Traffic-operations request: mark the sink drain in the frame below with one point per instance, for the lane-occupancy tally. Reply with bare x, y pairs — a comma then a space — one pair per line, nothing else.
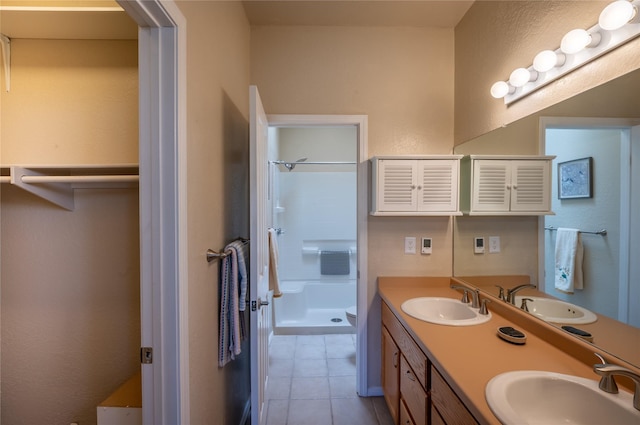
336, 320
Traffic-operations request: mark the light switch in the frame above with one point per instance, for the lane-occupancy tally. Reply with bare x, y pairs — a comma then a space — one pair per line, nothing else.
494, 244
410, 245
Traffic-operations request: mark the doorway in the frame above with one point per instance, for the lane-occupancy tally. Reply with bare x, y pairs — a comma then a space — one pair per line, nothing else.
358, 126
313, 197
608, 144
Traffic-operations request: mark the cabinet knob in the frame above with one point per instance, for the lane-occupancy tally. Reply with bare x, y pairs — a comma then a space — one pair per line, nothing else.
410, 375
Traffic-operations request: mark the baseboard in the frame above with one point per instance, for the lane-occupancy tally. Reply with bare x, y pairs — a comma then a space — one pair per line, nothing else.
374, 392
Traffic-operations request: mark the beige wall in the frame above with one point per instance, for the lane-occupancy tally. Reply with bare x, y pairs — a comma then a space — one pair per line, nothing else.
402, 78
70, 279
495, 37
218, 193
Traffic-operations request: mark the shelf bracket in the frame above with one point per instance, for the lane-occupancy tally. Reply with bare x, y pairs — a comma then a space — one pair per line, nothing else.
5, 43
60, 194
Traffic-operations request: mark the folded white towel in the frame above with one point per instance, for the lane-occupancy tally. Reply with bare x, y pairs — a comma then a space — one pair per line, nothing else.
568, 264
274, 280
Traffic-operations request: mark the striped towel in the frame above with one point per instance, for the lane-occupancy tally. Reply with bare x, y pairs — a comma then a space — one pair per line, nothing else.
233, 289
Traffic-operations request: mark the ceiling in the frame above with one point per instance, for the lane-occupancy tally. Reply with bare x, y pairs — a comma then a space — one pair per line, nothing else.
412, 13
105, 19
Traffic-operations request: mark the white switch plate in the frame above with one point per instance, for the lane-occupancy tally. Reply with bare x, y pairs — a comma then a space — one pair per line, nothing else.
410, 245
494, 244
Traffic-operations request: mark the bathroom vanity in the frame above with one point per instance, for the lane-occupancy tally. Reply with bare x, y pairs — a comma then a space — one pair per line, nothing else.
437, 374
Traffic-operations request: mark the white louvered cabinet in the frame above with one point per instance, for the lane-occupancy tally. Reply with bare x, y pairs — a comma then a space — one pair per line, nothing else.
506, 185
412, 186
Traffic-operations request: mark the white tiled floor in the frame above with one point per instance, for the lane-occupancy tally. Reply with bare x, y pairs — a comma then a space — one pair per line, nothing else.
312, 381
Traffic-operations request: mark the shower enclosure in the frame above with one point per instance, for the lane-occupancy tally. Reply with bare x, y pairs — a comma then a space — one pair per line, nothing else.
313, 188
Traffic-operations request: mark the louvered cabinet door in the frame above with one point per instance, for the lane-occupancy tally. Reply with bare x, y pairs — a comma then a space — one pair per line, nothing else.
438, 185
530, 186
397, 188
491, 185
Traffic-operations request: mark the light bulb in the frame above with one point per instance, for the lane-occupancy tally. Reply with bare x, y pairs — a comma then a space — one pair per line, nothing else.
616, 15
521, 76
547, 60
576, 40
501, 89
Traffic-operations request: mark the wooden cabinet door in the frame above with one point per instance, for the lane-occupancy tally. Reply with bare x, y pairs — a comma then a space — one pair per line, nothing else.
391, 373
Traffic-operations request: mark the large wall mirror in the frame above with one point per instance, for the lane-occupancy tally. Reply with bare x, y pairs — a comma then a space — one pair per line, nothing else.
601, 125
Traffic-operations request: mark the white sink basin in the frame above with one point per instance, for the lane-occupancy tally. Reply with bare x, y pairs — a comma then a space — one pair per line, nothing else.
545, 398
443, 311
557, 311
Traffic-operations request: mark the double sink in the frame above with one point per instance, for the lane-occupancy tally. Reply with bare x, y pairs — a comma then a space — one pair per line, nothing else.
530, 396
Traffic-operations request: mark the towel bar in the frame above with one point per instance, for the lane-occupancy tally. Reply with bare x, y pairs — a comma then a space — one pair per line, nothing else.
602, 232
214, 255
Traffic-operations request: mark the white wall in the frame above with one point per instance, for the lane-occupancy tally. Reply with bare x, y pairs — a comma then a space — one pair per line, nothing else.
602, 211
317, 202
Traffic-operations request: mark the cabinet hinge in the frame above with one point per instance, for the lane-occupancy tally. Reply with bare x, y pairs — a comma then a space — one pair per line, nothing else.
146, 355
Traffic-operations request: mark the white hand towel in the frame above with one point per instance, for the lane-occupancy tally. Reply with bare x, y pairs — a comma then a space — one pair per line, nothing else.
568, 265
274, 280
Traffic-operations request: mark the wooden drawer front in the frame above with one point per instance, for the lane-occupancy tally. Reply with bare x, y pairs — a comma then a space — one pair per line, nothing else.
449, 406
414, 355
413, 393
390, 373
405, 418
436, 419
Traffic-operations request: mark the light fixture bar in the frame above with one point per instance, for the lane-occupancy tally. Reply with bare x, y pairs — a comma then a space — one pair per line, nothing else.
609, 41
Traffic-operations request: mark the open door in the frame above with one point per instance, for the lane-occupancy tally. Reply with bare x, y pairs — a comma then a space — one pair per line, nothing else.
259, 257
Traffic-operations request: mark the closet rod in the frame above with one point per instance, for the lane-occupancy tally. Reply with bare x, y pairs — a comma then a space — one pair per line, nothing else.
80, 179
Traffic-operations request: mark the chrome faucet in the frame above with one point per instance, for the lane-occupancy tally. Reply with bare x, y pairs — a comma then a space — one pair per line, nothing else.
475, 303
501, 293
608, 384
511, 293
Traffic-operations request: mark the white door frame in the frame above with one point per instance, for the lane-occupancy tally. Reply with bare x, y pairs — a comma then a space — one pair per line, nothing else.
361, 122
163, 219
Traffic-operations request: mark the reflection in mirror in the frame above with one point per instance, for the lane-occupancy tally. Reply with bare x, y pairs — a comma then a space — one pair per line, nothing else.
611, 276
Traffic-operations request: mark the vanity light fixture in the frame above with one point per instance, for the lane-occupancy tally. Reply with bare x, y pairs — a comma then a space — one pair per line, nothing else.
577, 40
501, 88
522, 76
546, 60
618, 14
619, 23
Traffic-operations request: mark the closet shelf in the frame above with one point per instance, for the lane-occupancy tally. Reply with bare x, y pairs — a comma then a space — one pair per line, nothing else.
56, 183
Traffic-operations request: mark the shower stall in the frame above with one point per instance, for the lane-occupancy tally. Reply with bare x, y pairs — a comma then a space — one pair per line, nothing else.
313, 188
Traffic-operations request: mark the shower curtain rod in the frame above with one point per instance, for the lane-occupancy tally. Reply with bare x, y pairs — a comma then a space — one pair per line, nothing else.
315, 163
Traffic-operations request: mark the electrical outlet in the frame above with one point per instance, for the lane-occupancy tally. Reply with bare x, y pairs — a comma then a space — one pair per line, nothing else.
410, 245
494, 244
